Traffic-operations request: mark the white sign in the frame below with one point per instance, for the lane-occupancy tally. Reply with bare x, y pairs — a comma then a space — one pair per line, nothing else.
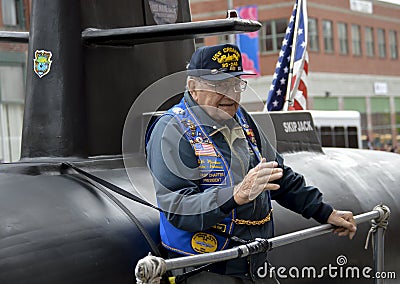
297, 126
361, 6
380, 88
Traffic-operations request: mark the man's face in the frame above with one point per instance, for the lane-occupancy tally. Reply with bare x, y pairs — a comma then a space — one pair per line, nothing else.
220, 99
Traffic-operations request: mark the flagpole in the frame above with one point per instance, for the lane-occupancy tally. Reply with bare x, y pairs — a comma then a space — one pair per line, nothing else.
288, 97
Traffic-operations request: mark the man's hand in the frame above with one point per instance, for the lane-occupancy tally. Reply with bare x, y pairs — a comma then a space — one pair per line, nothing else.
345, 221
256, 181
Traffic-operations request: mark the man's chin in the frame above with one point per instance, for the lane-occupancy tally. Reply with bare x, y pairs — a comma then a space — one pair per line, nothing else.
221, 116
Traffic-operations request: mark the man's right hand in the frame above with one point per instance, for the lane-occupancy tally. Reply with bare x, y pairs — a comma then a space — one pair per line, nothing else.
256, 181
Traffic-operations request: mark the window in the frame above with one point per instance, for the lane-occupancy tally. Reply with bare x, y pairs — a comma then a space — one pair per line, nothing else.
326, 136
313, 34
352, 137
11, 111
355, 103
13, 13
9, 12
223, 39
343, 39
369, 41
381, 43
325, 103
339, 136
328, 36
381, 121
356, 40
199, 42
272, 34
393, 45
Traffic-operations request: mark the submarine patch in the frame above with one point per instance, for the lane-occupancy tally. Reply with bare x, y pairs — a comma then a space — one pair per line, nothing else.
42, 62
204, 242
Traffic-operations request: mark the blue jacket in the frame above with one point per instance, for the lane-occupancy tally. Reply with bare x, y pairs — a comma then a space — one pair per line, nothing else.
196, 210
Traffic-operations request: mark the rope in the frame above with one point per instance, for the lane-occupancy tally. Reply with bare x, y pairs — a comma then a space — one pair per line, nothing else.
149, 270
383, 223
107, 185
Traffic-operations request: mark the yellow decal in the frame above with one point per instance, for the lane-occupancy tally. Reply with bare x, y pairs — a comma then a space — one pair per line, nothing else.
203, 242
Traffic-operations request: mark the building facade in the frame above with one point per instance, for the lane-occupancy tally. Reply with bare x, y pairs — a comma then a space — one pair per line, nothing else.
14, 16
353, 48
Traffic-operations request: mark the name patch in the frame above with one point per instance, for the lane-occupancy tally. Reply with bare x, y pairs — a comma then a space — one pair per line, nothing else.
213, 178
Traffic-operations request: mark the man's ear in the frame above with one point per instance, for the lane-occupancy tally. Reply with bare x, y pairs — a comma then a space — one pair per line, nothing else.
191, 84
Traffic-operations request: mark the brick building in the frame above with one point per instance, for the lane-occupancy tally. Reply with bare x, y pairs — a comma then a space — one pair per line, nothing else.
14, 16
354, 56
353, 50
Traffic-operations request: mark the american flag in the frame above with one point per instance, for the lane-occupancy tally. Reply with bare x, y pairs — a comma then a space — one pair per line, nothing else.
278, 88
204, 149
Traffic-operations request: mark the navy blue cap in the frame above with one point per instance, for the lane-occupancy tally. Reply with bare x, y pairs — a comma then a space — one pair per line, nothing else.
216, 62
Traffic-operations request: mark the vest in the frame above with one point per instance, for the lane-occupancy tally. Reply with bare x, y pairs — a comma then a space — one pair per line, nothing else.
214, 172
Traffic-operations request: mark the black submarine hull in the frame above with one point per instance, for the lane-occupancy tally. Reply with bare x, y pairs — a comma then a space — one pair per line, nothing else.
350, 179
57, 227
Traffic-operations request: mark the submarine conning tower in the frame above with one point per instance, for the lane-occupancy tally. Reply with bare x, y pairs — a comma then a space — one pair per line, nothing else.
100, 57
88, 61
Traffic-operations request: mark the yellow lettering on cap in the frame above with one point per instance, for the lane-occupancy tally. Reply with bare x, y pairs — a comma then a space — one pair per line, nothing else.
216, 55
231, 49
228, 58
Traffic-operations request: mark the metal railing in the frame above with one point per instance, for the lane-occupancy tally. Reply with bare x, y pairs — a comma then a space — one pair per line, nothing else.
152, 267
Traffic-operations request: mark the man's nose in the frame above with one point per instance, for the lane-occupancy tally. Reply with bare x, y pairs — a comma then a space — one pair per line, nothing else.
235, 96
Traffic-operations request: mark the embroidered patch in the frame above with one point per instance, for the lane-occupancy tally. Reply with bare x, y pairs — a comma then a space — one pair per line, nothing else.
178, 110
213, 178
208, 164
204, 149
221, 227
228, 58
204, 242
42, 62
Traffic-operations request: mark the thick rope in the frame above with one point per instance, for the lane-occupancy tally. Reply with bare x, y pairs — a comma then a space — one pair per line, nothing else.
150, 269
383, 223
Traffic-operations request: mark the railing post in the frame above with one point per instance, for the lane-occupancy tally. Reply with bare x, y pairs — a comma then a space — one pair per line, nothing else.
378, 228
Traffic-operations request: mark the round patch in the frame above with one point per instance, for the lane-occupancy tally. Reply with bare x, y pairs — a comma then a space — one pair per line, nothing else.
178, 110
203, 243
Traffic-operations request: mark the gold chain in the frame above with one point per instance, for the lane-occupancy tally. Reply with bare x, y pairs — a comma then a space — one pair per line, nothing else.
253, 223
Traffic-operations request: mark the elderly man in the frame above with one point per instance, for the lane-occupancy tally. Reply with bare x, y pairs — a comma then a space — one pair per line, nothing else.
215, 173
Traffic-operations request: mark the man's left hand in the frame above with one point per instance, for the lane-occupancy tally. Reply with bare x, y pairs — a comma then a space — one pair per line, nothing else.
345, 221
